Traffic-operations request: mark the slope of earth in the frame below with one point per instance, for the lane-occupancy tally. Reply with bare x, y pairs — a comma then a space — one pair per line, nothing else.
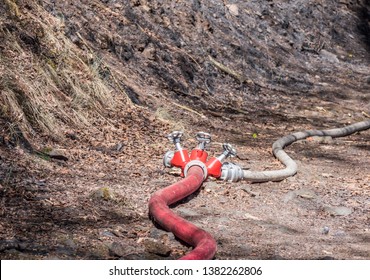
248, 72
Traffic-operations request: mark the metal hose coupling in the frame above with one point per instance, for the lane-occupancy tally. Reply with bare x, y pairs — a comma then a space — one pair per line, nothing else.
196, 163
231, 172
167, 158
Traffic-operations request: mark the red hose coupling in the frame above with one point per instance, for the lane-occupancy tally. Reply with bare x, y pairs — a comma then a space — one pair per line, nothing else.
180, 159
214, 167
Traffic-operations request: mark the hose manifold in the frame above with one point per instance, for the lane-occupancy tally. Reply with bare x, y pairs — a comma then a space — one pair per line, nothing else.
231, 172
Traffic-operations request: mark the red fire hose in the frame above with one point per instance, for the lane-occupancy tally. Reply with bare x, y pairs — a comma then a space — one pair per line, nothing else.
203, 243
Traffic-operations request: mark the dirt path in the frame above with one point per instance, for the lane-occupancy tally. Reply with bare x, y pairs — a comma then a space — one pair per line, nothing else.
95, 206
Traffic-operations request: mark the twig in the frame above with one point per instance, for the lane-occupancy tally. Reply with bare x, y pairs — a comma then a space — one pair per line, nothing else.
238, 77
366, 115
227, 70
188, 109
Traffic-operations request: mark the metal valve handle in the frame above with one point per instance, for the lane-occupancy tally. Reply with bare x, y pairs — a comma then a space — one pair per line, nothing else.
203, 138
229, 151
175, 136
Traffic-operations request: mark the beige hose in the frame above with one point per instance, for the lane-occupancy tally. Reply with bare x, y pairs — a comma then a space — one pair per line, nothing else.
290, 165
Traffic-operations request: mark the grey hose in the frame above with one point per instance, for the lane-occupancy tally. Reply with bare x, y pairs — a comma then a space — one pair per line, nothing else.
290, 165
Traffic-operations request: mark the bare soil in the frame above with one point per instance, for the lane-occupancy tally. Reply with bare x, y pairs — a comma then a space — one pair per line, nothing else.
290, 66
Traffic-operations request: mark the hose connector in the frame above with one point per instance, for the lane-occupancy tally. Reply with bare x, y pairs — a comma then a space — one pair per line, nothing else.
214, 165
180, 156
197, 163
231, 172
167, 158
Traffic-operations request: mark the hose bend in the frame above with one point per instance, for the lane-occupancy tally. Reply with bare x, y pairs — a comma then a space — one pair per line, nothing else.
290, 165
203, 243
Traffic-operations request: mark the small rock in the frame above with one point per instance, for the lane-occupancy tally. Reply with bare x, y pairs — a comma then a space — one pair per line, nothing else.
158, 248
8, 244
368, 80
248, 190
70, 244
327, 175
107, 233
120, 250
325, 230
338, 210
146, 8
118, 147
304, 193
100, 251
242, 156
59, 154
149, 52
327, 140
156, 233
244, 250
233, 9
104, 193
119, 231
329, 56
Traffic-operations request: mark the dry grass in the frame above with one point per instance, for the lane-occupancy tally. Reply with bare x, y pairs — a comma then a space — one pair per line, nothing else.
169, 118
47, 83
12, 8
